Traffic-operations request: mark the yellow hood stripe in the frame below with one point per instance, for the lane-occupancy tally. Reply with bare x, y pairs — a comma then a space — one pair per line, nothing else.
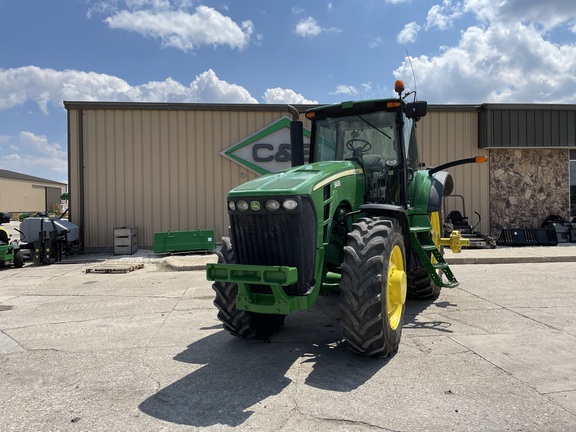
337, 176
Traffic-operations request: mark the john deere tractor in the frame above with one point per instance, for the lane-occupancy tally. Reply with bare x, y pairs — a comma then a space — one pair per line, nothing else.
361, 217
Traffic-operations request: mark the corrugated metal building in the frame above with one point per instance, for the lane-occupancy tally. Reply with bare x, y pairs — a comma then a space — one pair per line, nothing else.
20, 193
169, 166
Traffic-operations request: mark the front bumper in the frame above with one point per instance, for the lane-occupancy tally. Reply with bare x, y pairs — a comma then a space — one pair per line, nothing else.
276, 277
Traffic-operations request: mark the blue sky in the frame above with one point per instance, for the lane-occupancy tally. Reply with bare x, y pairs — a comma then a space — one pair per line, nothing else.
266, 51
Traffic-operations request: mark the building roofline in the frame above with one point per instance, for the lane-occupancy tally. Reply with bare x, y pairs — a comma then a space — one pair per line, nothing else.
25, 177
453, 108
527, 106
255, 107
171, 106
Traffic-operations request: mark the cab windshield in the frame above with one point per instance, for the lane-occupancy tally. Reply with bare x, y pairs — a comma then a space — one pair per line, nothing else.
362, 136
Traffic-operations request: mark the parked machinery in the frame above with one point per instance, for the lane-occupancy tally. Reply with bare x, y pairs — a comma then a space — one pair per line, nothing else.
456, 220
5, 217
47, 238
361, 217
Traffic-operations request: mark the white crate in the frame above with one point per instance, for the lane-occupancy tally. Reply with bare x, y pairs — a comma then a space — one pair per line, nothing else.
125, 240
125, 249
125, 231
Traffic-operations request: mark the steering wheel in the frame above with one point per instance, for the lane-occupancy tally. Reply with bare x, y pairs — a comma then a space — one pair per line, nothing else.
364, 148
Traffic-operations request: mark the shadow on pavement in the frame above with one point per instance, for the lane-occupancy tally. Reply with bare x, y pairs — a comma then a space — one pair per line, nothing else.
238, 374
413, 318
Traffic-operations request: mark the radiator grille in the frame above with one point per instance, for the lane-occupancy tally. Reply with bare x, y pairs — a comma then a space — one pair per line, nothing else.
283, 238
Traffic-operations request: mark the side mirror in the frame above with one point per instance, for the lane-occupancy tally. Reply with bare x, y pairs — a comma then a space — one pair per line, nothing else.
415, 110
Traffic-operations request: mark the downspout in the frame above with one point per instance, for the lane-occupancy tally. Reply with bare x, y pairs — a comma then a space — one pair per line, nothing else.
81, 176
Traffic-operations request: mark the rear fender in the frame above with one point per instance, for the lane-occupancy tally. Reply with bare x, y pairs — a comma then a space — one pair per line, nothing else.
442, 185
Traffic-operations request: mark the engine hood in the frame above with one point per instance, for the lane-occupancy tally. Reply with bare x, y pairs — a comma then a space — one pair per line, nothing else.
300, 180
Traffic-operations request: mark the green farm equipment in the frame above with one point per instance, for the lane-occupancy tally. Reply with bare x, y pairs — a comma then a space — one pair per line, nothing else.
10, 253
362, 217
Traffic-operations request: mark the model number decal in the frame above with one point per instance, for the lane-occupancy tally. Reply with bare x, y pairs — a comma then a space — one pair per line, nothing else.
336, 177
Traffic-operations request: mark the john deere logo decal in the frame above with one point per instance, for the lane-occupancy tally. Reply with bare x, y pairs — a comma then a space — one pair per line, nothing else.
267, 150
255, 205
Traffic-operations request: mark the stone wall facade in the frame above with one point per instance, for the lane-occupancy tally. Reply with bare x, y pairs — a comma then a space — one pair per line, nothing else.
526, 186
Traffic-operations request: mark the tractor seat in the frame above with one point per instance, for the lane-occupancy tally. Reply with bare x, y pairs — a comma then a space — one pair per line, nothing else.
4, 236
456, 219
373, 162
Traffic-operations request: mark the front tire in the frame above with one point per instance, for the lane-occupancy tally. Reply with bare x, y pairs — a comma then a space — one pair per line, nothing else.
373, 287
244, 324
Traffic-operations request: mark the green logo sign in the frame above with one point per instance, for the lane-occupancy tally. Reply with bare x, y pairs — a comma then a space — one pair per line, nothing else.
267, 150
255, 205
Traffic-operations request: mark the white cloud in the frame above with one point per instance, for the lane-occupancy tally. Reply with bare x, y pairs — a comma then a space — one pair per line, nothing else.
363, 91
443, 16
347, 90
548, 14
182, 30
374, 41
207, 87
409, 33
507, 57
39, 144
48, 87
35, 154
309, 27
501, 63
279, 95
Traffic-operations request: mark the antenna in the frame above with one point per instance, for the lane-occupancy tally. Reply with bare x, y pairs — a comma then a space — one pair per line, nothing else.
413, 75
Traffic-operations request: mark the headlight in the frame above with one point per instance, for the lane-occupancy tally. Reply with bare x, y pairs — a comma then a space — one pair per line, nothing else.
242, 205
231, 206
290, 204
272, 205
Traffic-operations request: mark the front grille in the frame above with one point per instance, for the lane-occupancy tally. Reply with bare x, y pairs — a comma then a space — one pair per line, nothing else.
277, 238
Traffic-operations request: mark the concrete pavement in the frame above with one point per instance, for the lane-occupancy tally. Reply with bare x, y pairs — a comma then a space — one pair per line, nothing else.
143, 351
499, 255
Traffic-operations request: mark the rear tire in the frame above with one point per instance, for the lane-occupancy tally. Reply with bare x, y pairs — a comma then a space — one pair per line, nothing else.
244, 324
373, 287
18, 259
420, 284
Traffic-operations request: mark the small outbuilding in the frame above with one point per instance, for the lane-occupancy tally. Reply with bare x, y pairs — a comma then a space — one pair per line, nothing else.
22, 193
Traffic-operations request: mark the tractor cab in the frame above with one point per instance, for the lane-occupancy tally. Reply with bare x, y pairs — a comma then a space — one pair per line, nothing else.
379, 135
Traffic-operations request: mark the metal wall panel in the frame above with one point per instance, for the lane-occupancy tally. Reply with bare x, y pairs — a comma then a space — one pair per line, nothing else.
159, 170
445, 136
521, 126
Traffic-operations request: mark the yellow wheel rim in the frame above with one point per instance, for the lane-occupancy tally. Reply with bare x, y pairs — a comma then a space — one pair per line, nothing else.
396, 289
436, 231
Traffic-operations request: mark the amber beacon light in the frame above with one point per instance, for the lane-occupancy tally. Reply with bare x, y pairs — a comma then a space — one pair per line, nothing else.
480, 159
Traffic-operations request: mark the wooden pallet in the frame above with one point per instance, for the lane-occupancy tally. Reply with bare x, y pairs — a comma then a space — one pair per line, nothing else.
114, 268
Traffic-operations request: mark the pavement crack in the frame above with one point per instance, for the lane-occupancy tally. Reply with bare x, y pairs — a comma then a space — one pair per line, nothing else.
56, 323
517, 312
355, 423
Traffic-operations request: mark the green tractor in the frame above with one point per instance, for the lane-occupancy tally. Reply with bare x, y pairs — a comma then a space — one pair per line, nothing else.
10, 253
362, 217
